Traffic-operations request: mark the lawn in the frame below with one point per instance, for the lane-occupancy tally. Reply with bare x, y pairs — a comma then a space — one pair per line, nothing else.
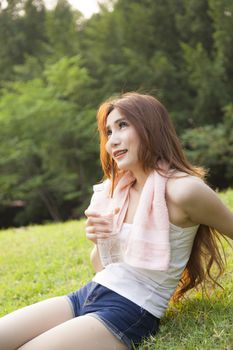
39, 262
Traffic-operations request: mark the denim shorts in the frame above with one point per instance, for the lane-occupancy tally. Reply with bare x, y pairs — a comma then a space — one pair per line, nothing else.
129, 322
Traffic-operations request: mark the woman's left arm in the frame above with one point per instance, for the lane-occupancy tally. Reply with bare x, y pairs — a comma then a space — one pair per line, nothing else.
203, 206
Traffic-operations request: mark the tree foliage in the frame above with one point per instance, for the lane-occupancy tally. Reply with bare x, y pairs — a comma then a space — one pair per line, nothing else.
56, 67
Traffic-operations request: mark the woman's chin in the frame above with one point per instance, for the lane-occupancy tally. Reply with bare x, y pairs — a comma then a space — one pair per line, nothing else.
123, 167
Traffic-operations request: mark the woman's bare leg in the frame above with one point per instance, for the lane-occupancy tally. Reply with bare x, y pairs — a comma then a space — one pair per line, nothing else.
80, 333
21, 326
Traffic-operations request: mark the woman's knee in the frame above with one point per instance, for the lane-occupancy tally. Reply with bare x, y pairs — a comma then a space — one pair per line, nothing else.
6, 335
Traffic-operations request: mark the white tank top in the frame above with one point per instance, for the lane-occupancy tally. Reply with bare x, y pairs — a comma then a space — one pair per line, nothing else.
150, 289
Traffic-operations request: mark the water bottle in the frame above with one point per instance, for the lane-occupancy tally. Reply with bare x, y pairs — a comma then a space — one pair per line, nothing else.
110, 250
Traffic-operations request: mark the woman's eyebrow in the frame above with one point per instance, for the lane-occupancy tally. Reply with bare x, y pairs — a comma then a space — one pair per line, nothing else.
116, 122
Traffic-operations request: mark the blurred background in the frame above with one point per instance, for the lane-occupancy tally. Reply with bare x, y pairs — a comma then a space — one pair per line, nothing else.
60, 60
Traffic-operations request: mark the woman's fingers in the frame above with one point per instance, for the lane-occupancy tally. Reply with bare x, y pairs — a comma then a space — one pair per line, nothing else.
88, 212
98, 230
116, 211
92, 213
92, 237
93, 233
99, 226
98, 221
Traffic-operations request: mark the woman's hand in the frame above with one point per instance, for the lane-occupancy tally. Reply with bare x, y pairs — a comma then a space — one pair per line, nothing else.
99, 226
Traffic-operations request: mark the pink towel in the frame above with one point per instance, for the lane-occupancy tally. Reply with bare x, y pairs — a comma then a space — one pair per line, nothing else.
148, 245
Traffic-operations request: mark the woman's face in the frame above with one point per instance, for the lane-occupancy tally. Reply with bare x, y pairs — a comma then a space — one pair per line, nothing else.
123, 142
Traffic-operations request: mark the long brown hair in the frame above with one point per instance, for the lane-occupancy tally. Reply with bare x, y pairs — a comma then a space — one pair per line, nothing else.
159, 144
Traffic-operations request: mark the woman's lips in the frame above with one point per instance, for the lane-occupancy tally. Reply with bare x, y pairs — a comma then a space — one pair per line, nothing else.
120, 155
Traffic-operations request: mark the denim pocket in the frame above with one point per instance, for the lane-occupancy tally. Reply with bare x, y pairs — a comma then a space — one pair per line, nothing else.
145, 325
139, 320
151, 322
91, 295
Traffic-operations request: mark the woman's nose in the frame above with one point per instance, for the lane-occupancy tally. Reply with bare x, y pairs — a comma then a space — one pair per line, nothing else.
114, 139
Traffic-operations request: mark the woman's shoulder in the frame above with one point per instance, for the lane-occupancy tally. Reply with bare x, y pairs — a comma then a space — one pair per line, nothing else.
182, 187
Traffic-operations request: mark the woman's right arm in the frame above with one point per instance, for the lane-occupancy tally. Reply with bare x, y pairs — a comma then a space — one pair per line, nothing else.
98, 226
95, 259
95, 227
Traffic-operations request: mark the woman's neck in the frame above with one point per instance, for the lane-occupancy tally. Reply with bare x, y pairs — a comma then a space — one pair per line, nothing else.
140, 179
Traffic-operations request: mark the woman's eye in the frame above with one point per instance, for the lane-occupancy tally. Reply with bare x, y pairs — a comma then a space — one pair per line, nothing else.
122, 124
108, 133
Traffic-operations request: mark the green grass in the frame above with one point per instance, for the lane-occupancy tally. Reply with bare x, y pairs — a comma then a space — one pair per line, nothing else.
39, 262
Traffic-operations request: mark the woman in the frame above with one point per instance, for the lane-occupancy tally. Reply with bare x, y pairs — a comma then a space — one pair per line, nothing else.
157, 206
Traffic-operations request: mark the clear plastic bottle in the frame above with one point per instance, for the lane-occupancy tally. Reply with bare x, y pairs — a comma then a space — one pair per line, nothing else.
110, 250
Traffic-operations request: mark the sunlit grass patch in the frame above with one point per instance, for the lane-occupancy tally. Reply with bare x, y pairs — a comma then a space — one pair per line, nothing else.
39, 262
